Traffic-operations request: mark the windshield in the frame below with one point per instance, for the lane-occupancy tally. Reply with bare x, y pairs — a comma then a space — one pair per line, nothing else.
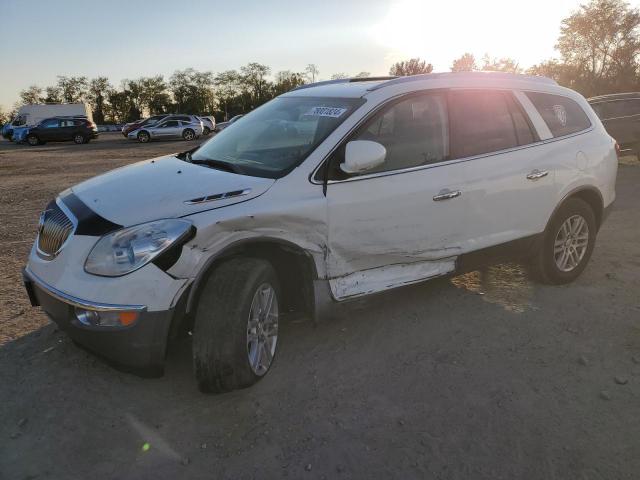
275, 138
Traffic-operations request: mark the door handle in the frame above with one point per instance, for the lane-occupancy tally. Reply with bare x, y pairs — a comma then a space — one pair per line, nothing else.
446, 194
536, 174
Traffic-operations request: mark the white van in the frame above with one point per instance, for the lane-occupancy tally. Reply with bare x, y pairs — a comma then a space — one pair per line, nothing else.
329, 192
30, 115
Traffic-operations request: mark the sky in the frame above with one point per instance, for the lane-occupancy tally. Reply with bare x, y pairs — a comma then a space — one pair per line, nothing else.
128, 39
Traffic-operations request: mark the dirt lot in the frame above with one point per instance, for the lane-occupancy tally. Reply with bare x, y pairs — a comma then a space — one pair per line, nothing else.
484, 376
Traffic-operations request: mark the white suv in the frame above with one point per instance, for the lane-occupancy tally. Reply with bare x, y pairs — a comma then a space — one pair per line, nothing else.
329, 192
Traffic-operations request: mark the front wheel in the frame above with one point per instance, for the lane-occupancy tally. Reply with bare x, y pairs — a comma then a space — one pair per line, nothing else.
235, 332
33, 140
143, 137
567, 245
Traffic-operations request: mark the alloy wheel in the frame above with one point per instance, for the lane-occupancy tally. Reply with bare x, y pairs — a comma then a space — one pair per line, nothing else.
262, 329
571, 243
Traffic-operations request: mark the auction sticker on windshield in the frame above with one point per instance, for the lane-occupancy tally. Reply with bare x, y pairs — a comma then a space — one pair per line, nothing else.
334, 112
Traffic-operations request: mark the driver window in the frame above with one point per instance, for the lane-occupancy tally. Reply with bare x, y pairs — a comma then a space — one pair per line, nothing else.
414, 131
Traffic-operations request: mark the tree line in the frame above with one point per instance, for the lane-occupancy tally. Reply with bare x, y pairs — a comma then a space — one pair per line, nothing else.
598, 46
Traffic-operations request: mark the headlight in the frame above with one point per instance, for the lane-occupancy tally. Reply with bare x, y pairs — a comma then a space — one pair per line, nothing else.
129, 249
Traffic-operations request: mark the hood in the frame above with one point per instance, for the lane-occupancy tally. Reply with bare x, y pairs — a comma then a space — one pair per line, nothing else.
165, 187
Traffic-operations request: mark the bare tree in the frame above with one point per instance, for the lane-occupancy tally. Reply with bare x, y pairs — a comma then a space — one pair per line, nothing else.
312, 72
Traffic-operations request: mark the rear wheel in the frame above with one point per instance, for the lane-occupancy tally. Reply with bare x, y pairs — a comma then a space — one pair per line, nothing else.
143, 137
568, 243
33, 140
236, 326
206, 131
188, 134
79, 138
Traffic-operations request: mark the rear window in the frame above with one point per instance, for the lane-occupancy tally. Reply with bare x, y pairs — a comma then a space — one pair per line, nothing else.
562, 115
486, 121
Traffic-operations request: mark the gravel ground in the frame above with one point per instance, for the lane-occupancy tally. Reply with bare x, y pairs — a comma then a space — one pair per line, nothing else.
483, 376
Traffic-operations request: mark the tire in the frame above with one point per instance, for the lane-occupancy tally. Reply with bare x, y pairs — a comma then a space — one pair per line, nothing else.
33, 140
565, 243
188, 134
79, 138
143, 137
206, 131
225, 356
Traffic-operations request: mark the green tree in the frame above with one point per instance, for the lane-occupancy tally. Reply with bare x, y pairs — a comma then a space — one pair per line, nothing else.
4, 117
227, 85
53, 94
33, 94
192, 91
97, 92
255, 83
600, 42
154, 94
413, 66
287, 80
504, 64
74, 89
466, 63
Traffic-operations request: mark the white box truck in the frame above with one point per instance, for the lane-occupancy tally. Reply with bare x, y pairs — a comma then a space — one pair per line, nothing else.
29, 115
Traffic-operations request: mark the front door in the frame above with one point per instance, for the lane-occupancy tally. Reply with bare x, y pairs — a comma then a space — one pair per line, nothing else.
385, 227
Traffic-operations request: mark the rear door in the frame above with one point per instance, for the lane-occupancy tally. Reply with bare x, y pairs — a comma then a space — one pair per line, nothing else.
67, 129
49, 130
509, 185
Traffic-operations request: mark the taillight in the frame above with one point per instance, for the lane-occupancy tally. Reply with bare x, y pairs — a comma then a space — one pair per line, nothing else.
618, 151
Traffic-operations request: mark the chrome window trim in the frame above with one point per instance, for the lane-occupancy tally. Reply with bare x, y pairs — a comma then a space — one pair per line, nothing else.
79, 302
444, 163
74, 222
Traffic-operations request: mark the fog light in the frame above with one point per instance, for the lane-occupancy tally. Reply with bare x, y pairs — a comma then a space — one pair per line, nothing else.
94, 318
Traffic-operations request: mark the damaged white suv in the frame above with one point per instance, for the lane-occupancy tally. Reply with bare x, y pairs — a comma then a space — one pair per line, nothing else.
329, 192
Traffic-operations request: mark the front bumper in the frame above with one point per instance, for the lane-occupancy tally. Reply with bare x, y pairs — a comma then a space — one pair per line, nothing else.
139, 348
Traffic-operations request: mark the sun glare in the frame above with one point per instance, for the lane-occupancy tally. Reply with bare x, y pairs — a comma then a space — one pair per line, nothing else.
440, 32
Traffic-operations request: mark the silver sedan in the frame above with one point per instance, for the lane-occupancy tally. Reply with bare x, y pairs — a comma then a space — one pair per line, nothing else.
167, 129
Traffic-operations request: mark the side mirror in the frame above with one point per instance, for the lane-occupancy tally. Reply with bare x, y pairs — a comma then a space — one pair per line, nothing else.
362, 155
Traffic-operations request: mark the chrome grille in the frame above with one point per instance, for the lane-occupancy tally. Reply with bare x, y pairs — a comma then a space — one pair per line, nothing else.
54, 230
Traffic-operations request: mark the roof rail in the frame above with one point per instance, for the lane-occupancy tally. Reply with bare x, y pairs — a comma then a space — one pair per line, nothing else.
343, 80
434, 76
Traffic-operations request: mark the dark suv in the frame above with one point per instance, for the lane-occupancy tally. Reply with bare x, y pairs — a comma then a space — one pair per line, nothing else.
62, 129
620, 115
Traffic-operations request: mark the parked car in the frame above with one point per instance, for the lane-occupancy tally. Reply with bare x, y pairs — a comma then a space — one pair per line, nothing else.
208, 124
130, 127
170, 127
62, 129
330, 192
222, 125
620, 115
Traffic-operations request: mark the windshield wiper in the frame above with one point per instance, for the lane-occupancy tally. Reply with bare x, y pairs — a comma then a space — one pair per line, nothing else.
219, 164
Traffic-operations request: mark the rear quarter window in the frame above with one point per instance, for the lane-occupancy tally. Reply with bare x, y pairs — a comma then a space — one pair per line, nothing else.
562, 115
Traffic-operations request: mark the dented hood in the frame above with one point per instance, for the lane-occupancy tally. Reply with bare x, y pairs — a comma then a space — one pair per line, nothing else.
165, 187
